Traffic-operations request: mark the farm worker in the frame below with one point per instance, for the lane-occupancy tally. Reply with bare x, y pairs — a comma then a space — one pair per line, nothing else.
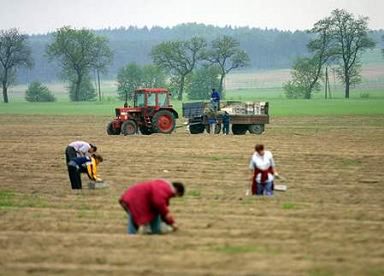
84, 164
226, 121
215, 99
263, 170
212, 123
79, 149
146, 204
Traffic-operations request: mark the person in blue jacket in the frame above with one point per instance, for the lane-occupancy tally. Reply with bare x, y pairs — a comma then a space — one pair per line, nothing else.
226, 121
215, 99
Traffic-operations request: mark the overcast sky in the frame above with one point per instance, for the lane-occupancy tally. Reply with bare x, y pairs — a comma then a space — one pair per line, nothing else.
41, 16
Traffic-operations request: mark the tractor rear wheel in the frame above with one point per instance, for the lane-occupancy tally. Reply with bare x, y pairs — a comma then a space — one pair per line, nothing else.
145, 131
196, 129
163, 122
239, 129
128, 127
111, 130
256, 129
217, 128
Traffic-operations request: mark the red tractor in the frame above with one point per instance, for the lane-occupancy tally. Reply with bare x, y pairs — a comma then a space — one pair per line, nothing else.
151, 113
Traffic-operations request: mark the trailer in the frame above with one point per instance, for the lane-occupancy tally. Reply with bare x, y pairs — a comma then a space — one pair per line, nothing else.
248, 116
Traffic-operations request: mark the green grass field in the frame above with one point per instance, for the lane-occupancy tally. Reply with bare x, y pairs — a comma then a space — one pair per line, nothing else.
366, 98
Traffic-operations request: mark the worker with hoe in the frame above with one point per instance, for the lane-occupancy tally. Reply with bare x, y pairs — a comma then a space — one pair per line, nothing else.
215, 99
79, 149
84, 164
146, 204
263, 170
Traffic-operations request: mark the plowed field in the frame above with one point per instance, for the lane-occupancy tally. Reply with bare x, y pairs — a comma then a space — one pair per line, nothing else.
330, 221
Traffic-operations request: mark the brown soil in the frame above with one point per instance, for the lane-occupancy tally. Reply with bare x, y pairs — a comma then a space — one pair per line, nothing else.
330, 221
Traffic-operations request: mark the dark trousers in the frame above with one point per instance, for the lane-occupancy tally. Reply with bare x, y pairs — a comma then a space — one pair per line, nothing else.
74, 177
225, 128
70, 153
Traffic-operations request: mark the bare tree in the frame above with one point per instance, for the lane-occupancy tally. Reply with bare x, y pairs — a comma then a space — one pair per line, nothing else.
14, 53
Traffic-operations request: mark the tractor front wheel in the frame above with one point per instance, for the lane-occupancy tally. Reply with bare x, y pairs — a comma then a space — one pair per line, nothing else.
128, 127
111, 130
163, 122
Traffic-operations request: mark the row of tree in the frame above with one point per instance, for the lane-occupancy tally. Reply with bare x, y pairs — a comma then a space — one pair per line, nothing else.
80, 52
339, 40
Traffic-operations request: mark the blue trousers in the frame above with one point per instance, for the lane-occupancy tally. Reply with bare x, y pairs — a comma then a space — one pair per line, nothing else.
264, 188
155, 225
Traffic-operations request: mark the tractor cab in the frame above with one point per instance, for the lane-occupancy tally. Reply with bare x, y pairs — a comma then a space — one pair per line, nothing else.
152, 97
151, 112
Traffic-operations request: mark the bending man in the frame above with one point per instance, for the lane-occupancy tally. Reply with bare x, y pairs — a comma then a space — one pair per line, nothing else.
147, 204
79, 149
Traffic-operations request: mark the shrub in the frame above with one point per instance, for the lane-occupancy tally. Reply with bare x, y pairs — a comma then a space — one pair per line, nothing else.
86, 91
37, 92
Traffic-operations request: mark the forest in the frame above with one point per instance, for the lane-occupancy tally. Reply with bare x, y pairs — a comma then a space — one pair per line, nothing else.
267, 48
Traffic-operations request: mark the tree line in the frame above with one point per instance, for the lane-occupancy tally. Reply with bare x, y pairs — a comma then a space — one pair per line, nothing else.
189, 64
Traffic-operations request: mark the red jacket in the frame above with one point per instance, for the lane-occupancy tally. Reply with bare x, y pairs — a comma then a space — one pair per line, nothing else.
148, 199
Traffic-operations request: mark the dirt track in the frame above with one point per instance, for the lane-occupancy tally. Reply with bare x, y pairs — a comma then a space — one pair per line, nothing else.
330, 221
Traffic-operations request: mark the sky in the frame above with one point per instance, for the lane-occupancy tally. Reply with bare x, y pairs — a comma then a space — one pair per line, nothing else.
41, 16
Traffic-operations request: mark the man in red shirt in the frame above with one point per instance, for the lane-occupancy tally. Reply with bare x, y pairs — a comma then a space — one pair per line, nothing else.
147, 204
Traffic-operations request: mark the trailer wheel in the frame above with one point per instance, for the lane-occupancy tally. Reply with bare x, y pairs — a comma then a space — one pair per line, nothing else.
196, 129
239, 129
256, 129
217, 128
163, 122
111, 130
128, 127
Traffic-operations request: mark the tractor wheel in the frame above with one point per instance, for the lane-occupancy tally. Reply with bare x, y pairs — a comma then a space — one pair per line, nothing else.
239, 129
145, 131
163, 122
196, 129
256, 129
111, 130
128, 127
217, 128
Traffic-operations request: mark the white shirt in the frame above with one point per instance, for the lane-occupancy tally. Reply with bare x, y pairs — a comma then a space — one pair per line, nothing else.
262, 163
80, 147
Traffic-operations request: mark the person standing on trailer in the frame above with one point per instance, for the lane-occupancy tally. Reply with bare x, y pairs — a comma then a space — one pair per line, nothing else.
263, 170
84, 164
146, 204
215, 99
79, 149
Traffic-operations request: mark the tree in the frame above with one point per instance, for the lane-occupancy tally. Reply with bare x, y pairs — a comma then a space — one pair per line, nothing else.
152, 76
351, 38
129, 78
78, 52
84, 92
37, 92
103, 57
225, 53
305, 75
14, 53
179, 58
203, 79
